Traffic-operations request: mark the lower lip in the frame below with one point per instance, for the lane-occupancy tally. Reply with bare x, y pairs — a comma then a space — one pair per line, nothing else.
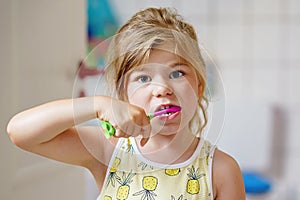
172, 116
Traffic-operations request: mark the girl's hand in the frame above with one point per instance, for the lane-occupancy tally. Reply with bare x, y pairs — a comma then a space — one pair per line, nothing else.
127, 119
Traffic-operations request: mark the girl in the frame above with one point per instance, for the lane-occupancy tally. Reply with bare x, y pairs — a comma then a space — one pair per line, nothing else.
156, 67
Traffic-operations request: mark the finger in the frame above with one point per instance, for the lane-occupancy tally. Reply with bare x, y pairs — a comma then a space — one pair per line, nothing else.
144, 141
139, 117
146, 132
125, 130
119, 133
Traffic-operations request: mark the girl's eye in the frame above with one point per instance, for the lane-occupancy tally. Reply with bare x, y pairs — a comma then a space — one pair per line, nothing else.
176, 74
144, 79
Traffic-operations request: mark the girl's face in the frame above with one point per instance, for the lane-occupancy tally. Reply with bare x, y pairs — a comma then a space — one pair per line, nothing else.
165, 80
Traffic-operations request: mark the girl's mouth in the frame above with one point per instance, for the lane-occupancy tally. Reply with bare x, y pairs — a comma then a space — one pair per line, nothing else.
167, 112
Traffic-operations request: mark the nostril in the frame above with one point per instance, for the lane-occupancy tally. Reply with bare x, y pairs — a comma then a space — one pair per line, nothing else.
162, 91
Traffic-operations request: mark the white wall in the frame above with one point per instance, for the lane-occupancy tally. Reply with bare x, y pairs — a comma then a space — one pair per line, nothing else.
7, 156
41, 45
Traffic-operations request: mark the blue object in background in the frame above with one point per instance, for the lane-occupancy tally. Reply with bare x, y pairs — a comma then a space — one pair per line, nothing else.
101, 19
102, 24
255, 183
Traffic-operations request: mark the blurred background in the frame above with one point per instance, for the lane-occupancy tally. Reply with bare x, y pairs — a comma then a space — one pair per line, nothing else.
255, 44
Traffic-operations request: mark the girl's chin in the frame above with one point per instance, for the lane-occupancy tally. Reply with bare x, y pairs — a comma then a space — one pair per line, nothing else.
165, 130
168, 127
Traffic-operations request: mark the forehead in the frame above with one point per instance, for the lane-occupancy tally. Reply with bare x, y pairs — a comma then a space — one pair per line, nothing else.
163, 57
166, 54
161, 61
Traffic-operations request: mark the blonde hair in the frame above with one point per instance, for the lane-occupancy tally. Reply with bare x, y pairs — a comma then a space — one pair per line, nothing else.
132, 45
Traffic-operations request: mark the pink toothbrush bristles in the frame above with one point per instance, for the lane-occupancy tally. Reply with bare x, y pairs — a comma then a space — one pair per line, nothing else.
172, 109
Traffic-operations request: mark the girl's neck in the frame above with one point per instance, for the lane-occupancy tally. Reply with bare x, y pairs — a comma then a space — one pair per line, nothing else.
170, 149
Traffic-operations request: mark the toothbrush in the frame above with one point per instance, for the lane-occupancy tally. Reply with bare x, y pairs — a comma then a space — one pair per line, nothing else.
172, 109
109, 130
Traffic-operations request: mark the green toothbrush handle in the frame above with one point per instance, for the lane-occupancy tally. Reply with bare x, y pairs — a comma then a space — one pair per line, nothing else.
109, 130
150, 115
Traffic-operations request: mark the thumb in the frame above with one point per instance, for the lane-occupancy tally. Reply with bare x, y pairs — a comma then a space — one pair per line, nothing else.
146, 132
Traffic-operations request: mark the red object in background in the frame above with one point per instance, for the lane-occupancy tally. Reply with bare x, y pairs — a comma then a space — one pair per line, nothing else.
84, 71
81, 93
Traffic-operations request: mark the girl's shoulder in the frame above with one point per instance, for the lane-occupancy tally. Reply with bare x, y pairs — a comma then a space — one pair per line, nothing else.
223, 162
227, 176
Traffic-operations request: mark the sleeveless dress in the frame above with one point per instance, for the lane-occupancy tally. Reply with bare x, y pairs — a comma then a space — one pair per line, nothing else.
132, 176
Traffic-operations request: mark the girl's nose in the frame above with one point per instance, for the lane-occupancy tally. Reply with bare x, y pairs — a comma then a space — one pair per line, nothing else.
161, 90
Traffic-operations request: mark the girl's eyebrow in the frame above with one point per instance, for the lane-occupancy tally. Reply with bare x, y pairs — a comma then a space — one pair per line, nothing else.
139, 70
171, 64
177, 63
146, 69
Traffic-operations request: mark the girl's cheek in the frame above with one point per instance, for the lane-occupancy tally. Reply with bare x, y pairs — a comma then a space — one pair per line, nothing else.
130, 93
135, 98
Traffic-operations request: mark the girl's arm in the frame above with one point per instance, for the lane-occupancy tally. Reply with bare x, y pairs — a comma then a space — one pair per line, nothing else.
49, 129
227, 178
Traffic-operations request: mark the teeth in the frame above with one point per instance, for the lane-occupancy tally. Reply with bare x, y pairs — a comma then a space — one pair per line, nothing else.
164, 107
166, 114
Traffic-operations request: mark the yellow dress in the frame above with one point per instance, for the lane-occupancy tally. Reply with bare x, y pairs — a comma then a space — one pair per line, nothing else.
131, 176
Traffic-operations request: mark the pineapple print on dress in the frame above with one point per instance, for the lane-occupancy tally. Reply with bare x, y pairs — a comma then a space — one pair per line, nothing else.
149, 185
107, 197
113, 177
128, 148
193, 185
124, 188
172, 172
180, 198
143, 166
